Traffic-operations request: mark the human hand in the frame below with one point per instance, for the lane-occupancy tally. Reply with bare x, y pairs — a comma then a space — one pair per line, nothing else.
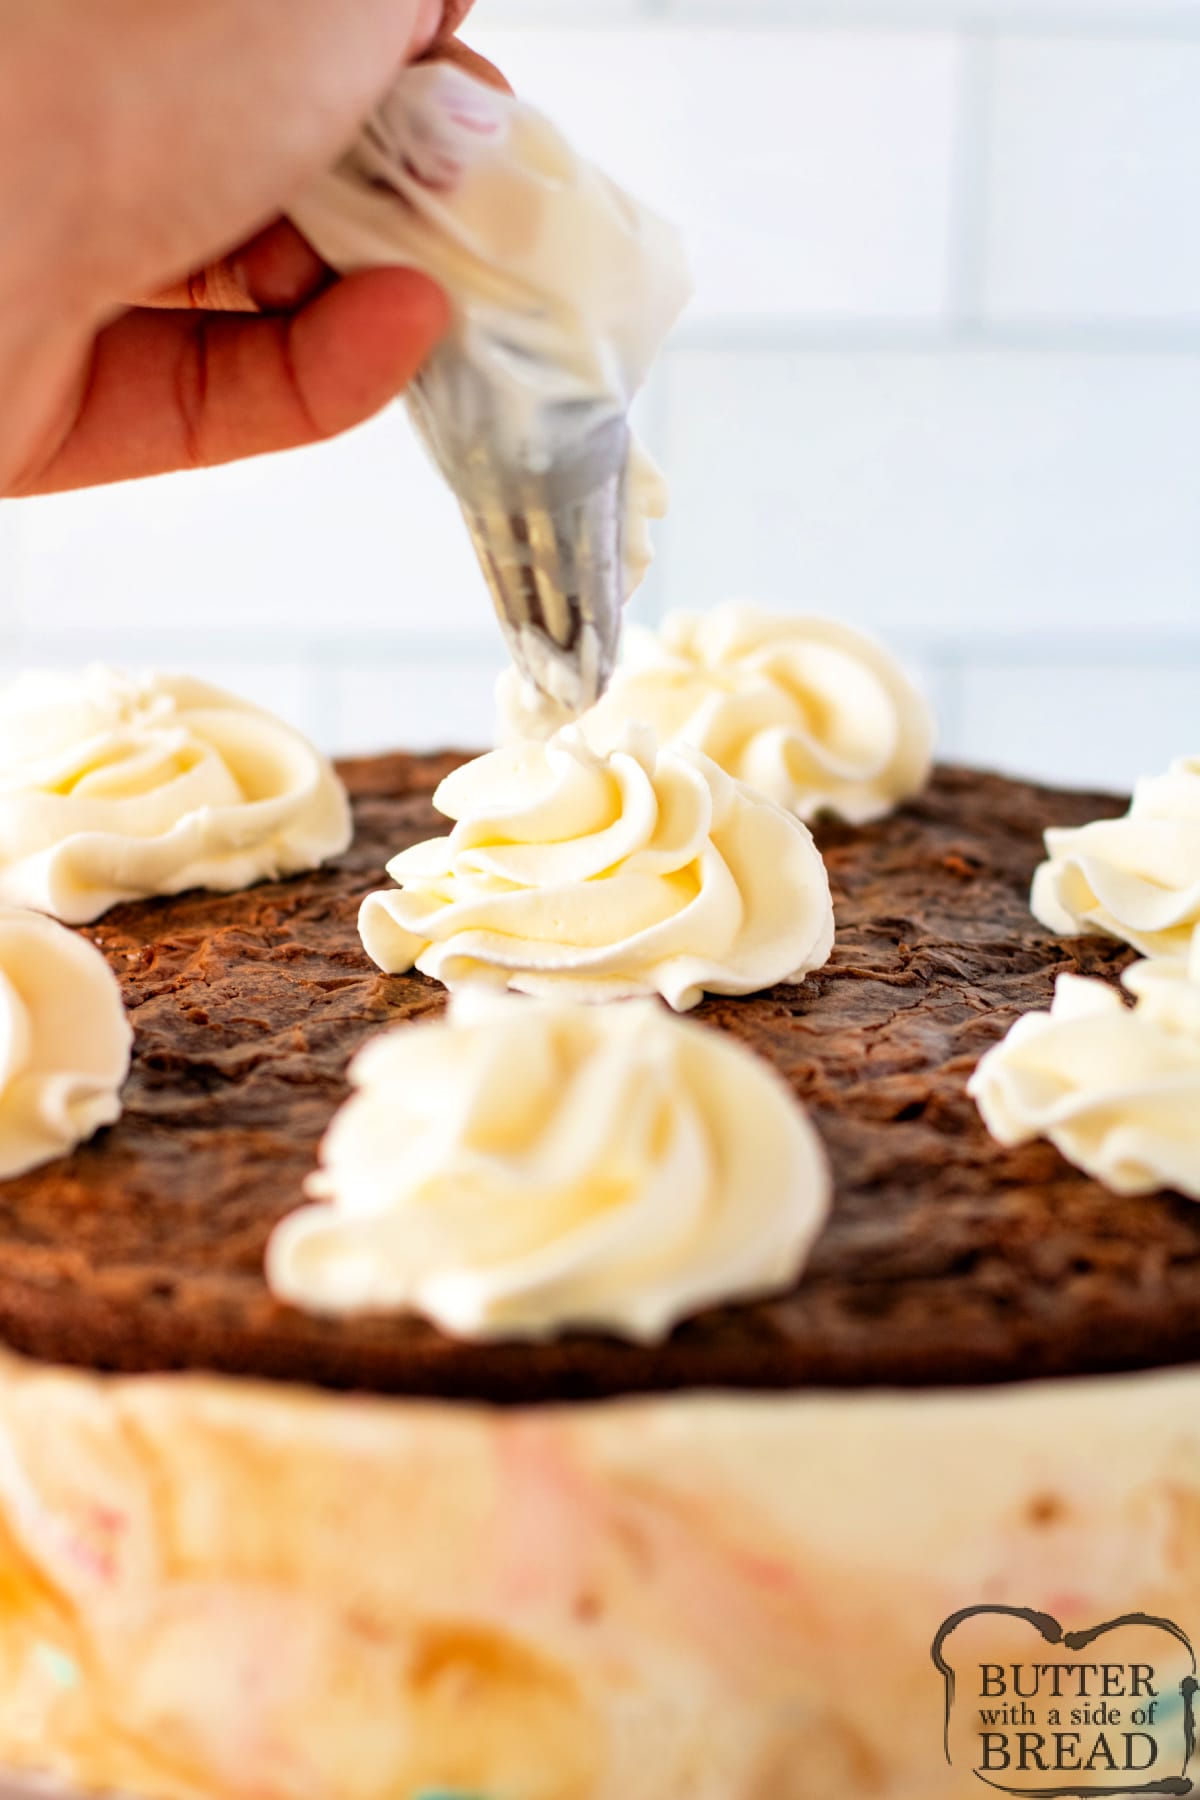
191, 128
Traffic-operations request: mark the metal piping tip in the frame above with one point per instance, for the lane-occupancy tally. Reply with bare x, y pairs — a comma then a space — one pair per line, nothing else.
548, 529
555, 572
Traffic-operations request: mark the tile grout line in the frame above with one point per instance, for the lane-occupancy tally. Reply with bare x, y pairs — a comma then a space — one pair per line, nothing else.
1170, 649
948, 702
899, 336
1027, 20
970, 199
260, 649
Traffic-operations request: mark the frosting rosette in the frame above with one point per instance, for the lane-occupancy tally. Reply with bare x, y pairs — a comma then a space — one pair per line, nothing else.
818, 717
596, 877
116, 787
64, 1041
1115, 1088
525, 1166
1136, 877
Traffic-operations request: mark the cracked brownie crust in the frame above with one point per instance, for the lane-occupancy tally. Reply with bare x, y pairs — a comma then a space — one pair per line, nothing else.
946, 1260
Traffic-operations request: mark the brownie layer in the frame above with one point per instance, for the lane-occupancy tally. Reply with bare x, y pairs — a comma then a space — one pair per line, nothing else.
946, 1260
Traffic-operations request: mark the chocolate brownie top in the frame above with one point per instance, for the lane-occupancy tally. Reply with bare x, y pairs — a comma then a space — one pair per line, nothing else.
946, 1259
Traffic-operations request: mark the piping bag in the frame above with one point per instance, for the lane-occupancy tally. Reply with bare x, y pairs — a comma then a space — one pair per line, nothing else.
562, 290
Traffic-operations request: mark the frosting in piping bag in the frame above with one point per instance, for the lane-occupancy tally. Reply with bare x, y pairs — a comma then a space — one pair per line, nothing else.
562, 289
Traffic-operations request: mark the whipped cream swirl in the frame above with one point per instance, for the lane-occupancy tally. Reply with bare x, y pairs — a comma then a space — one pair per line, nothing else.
1115, 1088
602, 878
1137, 877
815, 715
527, 1166
115, 787
64, 1041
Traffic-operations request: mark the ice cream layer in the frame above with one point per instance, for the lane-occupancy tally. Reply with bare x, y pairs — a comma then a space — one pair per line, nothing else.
255, 1592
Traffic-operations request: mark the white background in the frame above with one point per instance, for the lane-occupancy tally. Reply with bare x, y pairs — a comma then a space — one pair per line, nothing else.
942, 377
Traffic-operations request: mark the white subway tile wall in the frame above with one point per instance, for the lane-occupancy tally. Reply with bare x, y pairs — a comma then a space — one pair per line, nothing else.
1009, 15
811, 174
1009, 714
942, 377
964, 494
356, 536
1093, 174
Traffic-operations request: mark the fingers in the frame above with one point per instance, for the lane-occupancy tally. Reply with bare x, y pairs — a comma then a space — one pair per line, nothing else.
454, 12
191, 123
219, 288
429, 22
439, 19
280, 270
277, 271
174, 390
470, 61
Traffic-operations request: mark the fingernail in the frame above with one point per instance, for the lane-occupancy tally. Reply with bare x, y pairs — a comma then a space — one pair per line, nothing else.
227, 288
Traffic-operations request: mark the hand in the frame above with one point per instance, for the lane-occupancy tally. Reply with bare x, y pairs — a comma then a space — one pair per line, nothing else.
191, 126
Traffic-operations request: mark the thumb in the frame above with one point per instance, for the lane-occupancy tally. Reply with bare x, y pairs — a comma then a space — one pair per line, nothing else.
177, 390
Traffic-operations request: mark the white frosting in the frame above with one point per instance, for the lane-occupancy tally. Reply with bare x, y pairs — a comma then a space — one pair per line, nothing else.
647, 499
1137, 877
564, 286
601, 878
817, 716
64, 1041
525, 715
1115, 1088
114, 787
528, 1166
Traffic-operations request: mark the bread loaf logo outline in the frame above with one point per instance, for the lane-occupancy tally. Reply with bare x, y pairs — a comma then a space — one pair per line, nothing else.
1070, 1729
